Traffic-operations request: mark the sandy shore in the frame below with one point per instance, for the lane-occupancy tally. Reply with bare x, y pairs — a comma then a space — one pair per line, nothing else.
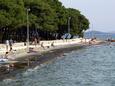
39, 49
37, 60
19, 51
40, 55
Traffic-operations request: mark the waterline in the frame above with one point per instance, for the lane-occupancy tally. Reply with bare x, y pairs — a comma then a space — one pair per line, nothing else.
92, 66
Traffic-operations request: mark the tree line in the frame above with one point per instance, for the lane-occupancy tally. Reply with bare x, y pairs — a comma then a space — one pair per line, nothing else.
47, 19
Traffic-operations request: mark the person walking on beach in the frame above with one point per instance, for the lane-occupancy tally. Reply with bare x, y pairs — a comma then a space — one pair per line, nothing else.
38, 41
7, 45
35, 41
6, 55
52, 44
42, 45
10, 44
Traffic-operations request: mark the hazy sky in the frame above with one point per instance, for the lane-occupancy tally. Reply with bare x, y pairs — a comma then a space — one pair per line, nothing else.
101, 13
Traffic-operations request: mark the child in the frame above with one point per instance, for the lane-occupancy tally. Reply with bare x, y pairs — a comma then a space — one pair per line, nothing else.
6, 55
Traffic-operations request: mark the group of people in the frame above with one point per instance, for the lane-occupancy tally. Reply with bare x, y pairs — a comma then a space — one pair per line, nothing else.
93, 40
8, 48
7, 56
9, 44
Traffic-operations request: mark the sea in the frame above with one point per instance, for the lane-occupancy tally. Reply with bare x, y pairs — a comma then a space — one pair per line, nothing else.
102, 36
89, 66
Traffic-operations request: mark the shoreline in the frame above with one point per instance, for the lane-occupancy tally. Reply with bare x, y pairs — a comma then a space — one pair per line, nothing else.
39, 49
39, 60
42, 56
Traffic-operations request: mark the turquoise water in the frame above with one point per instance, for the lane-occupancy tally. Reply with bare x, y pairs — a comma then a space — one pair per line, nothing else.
91, 66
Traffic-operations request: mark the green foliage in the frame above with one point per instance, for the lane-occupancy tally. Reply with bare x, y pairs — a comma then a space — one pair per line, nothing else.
51, 16
12, 13
4, 19
78, 22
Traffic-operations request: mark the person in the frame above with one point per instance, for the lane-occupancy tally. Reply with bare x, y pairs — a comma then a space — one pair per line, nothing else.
7, 45
6, 55
42, 45
35, 41
38, 41
81, 40
52, 44
10, 44
3, 58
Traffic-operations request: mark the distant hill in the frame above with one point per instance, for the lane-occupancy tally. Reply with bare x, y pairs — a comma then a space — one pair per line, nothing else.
96, 32
99, 34
113, 32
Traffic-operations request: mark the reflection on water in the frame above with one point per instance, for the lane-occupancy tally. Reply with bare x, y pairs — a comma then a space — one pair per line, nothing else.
93, 66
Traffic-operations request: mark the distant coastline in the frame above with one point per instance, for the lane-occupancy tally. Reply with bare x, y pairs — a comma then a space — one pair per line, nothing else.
99, 35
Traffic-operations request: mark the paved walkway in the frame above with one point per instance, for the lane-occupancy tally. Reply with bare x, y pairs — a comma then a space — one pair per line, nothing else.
19, 49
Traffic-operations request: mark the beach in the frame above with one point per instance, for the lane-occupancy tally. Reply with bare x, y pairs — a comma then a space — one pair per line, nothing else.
20, 49
42, 55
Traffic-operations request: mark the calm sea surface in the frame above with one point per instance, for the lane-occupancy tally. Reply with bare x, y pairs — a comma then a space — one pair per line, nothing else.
100, 36
91, 66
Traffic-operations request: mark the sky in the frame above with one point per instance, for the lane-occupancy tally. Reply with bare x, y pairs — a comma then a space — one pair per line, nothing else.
101, 13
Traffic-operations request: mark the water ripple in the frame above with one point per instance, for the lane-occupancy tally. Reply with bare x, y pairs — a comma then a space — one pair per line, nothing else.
93, 66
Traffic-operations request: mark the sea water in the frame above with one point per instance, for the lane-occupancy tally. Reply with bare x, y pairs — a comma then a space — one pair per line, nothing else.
90, 66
